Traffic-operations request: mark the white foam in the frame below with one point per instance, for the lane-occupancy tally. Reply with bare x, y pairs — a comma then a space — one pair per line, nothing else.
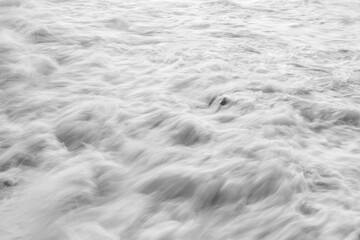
204, 119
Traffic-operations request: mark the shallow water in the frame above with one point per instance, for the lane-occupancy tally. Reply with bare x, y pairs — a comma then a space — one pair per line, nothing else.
202, 119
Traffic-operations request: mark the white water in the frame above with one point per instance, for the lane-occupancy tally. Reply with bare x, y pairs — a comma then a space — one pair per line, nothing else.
162, 120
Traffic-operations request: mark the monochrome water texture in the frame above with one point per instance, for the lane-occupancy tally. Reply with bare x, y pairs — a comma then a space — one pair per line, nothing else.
179, 119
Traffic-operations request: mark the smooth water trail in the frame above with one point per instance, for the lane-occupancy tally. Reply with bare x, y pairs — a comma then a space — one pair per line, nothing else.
206, 119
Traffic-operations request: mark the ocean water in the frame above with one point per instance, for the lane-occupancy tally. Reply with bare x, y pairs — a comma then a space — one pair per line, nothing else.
179, 119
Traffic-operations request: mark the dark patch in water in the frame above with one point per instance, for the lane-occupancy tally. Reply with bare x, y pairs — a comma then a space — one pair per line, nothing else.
224, 101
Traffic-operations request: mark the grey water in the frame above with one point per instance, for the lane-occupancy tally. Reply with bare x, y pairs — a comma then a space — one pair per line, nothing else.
179, 119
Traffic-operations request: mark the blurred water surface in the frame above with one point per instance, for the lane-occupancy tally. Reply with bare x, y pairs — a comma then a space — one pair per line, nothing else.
201, 119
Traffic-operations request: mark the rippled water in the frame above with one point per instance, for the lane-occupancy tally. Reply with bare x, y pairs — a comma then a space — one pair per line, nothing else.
162, 120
